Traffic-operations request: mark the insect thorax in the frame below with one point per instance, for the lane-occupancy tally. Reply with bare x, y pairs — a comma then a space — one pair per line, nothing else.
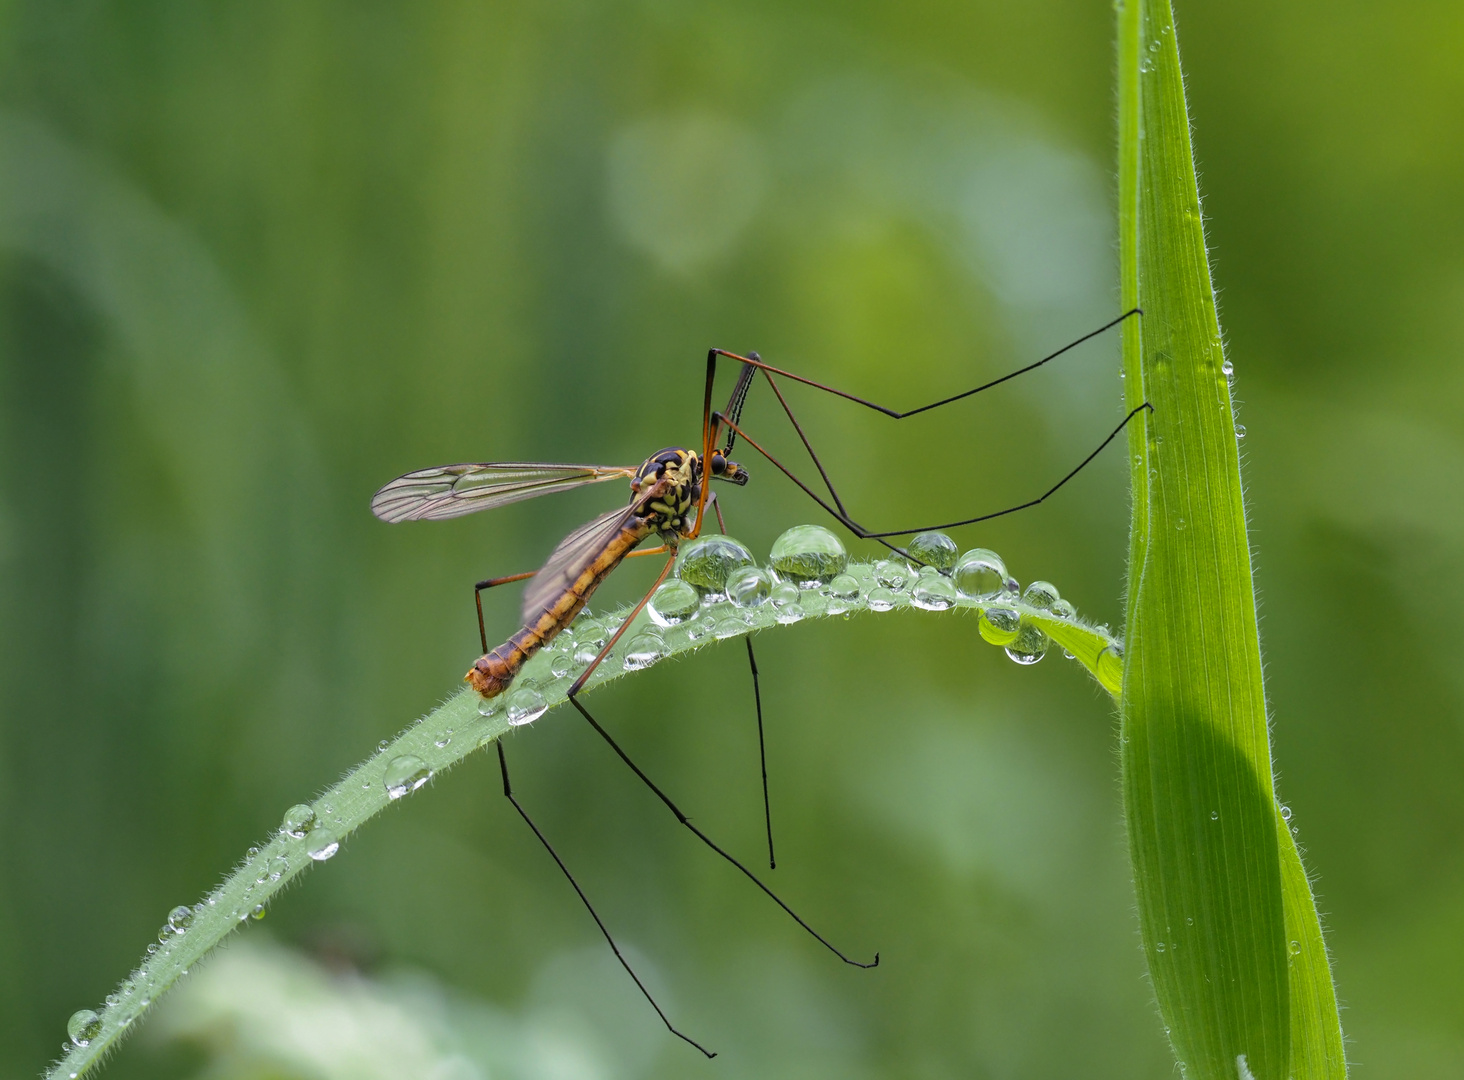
671, 482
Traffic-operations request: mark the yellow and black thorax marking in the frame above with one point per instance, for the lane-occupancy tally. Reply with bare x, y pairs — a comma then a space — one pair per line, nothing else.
675, 475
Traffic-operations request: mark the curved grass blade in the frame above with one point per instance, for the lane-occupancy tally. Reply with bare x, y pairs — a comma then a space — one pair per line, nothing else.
313, 832
1229, 926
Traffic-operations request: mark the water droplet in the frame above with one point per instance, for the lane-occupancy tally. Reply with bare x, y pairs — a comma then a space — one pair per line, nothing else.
321, 844
443, 740
809, 555
674, 603
1063, 609
934, 549
404, 775
1227, 368
1294, 948
561, 666
83, 1027
1240, 431
180, 918
1145, 65
893, 574
980, 574
749, 586
114, 999
880, 599
1180, 524
253, 851
525, 705
728, 626
999, 625
707, 561
1286, 813
1189, 920
589, 633
258, 912
152, 949
1214, 815
644, 650
1159, 946
844, 587
1110, 667
297, 821
1041, 595
933, 592
586, 652
381, 746
788, 600
1030, 644
1154, 46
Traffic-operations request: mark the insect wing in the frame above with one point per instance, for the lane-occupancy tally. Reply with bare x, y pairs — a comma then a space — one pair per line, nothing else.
568, 561
450, 491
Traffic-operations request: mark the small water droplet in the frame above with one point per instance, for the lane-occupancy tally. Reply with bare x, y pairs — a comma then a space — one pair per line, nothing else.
297, 821
1214, 815
1294, 948
561, 666
1180, 524
999, 625
749, 586
1227, 368
1240, 431
934, 549
1159, 946
258, 912
1189, 920
321, 844
644, 650
152, 949
83, 1027
1146, 65
880, 598
1042, 595
893, 574
809, 555
488, 706
980, 574
404, 775
933, 592
707, 561
381, 746
1063, 609
728, 626
1286, 813
1030, 644
843, 594
180, 918
443, 740
674, 603
525, 705
114, 999
253, 851
589, 633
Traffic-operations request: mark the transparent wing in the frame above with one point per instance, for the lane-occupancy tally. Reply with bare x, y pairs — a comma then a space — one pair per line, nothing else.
568, 560
450, 491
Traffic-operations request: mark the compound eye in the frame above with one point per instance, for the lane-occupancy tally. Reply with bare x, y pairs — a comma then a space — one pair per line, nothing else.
719, 463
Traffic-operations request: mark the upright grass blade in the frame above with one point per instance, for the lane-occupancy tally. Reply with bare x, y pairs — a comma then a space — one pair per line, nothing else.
1229, 925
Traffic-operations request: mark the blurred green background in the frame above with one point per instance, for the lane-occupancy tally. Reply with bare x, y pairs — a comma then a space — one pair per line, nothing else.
258, 258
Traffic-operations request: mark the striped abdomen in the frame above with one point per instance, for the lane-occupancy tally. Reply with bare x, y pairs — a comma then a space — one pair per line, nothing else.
492, 673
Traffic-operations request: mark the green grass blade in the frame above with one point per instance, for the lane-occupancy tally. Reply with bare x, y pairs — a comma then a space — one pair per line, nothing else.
465, 723
1229, 925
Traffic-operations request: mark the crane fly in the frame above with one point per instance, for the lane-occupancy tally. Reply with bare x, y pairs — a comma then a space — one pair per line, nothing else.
669, 496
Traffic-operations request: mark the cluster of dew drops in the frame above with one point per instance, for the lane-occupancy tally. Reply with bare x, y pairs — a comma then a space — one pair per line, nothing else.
719, 591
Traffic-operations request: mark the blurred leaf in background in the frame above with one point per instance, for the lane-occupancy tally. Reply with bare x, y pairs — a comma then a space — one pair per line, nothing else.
259, 258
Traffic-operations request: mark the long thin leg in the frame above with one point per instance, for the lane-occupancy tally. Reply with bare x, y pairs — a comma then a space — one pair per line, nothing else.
508, 794
755, 361
573, 695
489, 583
868, 534
762, 754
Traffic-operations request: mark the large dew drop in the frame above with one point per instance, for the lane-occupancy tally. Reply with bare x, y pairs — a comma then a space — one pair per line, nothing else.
83, 1027
980, 574
526, 704
404, 775
706, 562
673, 603
999, 625
299, 820
934, 549
808, 555
933, 592
1042, 595
749, 587
179, 919
644, 650
893, 574
1030, 644
321, 844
